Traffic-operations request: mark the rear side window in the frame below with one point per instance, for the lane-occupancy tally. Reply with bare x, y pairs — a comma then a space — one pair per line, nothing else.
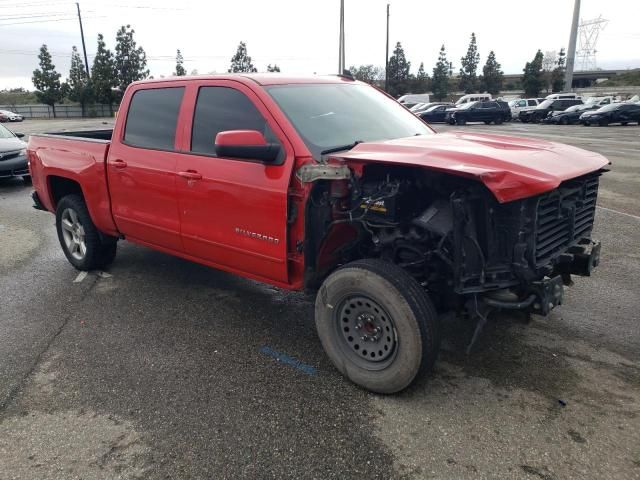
219, 109
532, 103
153, 117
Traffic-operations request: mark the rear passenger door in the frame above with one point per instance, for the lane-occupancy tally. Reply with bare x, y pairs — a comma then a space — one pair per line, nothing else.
235, 215
141, 167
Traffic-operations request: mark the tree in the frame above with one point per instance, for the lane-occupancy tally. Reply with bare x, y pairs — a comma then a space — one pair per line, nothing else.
557, 76
104, 75
421, 80
492, 75
180, 70
241, 62
47, 80
440, 79
131, 60
367, 73
532, 80
79, 88
398, 73
468, 75
273, 69
548, 65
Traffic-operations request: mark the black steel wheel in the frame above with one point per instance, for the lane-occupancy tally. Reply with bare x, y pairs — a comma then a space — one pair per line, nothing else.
377, 325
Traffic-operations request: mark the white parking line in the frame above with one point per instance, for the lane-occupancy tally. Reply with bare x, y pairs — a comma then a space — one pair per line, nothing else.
621, 213
81, 276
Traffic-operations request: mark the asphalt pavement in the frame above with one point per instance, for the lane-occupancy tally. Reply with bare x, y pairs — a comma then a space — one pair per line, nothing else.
161, 368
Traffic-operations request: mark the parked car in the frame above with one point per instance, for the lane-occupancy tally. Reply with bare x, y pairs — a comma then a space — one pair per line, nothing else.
13, 155
435, 113
486, 112
474, 97
569, 116
7, 116
563, 96
622, 113
522, 105
326, 184
423, 107
545, 108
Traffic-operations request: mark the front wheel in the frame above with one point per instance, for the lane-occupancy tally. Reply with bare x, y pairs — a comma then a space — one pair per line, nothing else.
377, 325
81, 242
461, 121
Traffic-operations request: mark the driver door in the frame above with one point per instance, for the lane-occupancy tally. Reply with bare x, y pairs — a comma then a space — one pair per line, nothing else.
233, 212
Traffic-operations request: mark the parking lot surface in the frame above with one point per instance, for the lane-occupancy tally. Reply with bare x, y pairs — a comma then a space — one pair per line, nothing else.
161, 368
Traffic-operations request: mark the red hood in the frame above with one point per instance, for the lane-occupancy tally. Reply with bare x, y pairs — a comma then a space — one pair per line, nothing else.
511, 167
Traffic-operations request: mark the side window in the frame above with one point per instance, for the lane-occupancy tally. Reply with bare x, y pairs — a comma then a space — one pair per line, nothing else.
152, 118
222, 108
606, 101
532, 103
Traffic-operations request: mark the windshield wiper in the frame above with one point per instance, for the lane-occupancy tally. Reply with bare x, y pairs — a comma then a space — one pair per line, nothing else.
340, 148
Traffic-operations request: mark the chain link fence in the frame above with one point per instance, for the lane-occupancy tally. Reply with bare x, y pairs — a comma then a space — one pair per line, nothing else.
62, 111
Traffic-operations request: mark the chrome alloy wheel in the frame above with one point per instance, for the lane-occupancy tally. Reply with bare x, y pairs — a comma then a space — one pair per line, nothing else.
73, 234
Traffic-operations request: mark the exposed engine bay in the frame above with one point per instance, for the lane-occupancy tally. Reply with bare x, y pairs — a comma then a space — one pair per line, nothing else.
454, 237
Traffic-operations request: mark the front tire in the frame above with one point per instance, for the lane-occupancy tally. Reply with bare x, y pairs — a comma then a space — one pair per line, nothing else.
461, 121
79, 238
377, 325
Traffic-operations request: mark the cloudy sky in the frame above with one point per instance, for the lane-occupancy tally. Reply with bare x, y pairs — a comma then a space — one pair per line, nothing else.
301, 36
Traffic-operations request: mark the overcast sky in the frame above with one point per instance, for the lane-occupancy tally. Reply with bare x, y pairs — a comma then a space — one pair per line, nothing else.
301, 36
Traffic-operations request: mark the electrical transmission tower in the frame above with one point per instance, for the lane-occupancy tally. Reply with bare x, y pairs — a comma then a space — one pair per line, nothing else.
589, 31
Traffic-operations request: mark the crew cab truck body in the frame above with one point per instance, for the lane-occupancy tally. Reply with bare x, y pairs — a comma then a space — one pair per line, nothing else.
327, 184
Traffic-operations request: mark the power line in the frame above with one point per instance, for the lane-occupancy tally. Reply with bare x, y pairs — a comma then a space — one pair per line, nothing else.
51, 20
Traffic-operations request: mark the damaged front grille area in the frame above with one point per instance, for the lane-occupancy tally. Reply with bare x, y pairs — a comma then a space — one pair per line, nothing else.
564, 216
503, 245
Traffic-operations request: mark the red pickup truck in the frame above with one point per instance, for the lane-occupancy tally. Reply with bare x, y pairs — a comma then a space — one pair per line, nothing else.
327, 184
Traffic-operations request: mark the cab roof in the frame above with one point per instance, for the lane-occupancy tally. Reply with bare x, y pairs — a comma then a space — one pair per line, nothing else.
264, 79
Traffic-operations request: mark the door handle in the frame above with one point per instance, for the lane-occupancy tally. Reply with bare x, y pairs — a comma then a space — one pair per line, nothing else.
119, 163
190, 175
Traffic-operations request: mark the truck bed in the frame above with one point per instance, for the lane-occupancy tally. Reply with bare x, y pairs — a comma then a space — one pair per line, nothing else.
101, 135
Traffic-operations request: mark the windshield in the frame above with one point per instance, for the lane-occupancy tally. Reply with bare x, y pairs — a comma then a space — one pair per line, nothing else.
574, 108
466, 106
5, 133
608, 108
331, 115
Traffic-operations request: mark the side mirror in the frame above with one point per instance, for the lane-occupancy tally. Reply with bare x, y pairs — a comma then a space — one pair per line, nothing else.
247, 144
19, 135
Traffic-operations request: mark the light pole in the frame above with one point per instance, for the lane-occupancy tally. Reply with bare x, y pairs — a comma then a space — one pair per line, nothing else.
386, 57
571, 52
341, 41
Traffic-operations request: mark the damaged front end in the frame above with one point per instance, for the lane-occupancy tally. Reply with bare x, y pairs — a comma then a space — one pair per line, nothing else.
529, 248
468, 250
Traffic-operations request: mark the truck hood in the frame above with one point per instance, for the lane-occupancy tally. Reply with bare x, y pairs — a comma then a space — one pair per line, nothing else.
511, 167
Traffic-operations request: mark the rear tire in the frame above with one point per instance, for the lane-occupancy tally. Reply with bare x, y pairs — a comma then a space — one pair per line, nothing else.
498, 121
81, 242
377, 325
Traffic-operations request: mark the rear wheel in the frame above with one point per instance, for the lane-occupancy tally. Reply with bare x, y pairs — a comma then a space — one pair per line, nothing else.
498, 121
624, 124
81, 242
564, 121
377, 325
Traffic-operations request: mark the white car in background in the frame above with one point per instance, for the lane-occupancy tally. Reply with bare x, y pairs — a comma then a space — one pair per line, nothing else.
523, 104
7, 116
